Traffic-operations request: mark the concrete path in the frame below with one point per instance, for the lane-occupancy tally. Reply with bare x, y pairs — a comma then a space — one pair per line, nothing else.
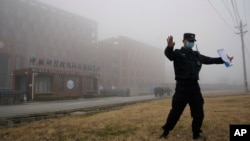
53, 106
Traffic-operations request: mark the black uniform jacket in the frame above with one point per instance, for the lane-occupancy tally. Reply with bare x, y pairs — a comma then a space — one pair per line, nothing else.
187, 63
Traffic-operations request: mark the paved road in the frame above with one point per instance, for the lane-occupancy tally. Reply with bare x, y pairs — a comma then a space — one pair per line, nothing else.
53, 106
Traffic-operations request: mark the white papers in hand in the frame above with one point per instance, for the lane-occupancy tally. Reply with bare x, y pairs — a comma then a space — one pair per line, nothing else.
224, 57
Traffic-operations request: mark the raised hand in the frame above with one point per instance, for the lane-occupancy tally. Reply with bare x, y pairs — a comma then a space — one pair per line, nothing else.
170, 41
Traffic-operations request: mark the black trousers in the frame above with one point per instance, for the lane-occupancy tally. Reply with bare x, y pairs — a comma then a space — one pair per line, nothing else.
186, 92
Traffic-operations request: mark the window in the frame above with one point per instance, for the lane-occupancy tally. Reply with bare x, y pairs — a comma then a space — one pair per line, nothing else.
43, 84
31, 51
78, 83
3, 70
6, 32
61, 83
18, 62
90, 83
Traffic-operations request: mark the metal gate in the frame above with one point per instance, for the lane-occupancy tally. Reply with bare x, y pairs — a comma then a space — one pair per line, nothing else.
9, 96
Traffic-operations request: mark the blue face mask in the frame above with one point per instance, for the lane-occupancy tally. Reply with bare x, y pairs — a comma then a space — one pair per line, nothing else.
190, 44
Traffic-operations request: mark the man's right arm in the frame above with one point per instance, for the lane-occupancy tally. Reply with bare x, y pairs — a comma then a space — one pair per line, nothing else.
169, 49
169, 53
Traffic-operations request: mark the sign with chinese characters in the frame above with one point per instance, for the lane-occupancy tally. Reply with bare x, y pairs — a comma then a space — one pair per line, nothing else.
62, 65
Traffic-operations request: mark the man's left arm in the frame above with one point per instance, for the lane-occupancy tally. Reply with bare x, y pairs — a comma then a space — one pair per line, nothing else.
209, 60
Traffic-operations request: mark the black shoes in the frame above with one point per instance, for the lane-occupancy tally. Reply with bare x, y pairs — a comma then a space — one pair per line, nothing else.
198, 137
164, 134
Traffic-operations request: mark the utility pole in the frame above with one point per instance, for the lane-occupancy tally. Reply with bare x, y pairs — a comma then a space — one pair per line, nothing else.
242, 33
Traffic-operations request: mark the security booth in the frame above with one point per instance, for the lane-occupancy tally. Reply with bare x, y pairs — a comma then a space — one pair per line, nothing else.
55, 83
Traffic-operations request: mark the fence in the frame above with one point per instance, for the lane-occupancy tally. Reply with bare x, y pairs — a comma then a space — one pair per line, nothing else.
117, 92
9, 96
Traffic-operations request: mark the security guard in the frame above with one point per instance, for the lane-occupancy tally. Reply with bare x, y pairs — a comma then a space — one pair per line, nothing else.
187, 65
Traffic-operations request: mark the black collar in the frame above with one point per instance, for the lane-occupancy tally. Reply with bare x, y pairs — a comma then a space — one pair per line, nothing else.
186, 50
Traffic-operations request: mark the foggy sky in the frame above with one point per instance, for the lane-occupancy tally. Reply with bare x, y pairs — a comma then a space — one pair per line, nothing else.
151, 21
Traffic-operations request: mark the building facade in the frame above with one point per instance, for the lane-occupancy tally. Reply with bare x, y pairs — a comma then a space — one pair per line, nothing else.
37, 36
55, 83
48, 51
127, 63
